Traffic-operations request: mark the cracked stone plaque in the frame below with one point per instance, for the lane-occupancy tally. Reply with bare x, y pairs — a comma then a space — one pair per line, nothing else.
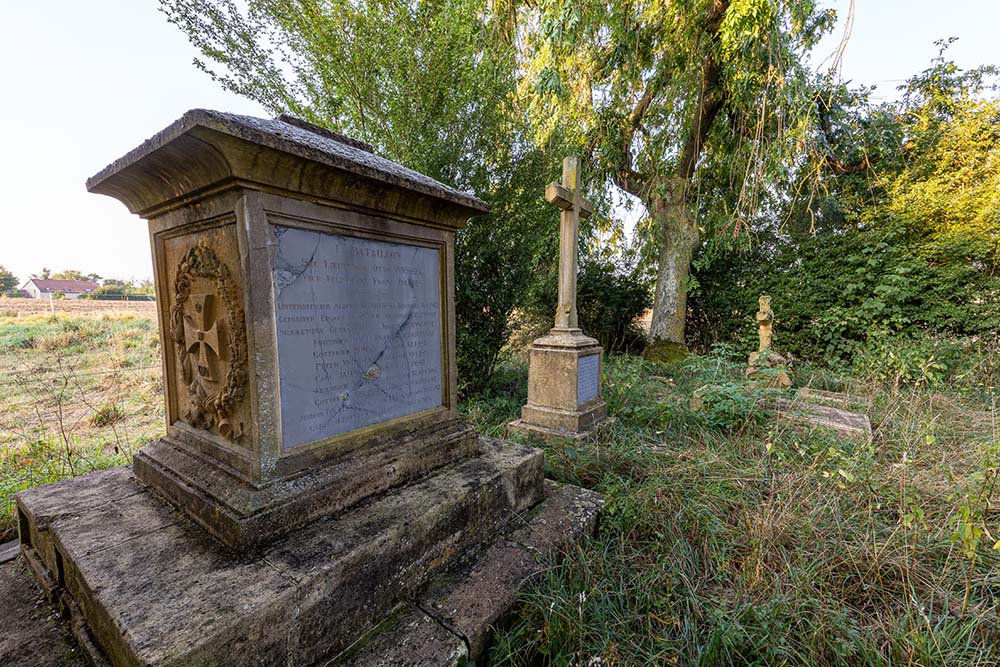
359, 332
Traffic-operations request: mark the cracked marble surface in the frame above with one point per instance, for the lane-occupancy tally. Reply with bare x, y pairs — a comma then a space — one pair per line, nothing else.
359, 332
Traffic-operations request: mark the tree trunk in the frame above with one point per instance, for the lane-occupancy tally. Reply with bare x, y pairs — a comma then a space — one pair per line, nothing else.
673, 217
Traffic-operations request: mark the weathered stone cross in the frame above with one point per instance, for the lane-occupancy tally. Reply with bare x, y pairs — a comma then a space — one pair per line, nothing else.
574, 206
202, 336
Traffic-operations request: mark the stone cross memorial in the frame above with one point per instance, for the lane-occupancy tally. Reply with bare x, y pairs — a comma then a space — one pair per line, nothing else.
315, 480
564, 370
766, 356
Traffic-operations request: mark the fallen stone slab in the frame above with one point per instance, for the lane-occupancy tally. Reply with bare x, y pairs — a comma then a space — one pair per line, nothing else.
833, 399
799, 412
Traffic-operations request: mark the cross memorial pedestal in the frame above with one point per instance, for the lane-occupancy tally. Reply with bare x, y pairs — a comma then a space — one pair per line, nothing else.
564, 371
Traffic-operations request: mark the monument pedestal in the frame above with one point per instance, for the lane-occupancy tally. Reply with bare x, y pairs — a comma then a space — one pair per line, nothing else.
315, 469
149, 587
564, 387
245, 515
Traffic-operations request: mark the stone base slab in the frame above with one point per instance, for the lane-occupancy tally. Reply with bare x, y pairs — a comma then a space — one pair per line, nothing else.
523, 427
453, 619
245, 516
569, 422
797, 412
149, 587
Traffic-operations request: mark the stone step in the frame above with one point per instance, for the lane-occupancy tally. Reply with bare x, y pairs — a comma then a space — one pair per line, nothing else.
453, 619
153, 589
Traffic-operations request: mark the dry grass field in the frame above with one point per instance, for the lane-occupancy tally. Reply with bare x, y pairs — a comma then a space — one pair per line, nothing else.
80, 390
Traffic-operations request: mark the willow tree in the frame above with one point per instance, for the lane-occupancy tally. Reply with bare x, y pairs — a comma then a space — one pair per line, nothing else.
429, 84
657, 91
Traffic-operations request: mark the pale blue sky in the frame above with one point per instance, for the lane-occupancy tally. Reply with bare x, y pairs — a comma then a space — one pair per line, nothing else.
84, 82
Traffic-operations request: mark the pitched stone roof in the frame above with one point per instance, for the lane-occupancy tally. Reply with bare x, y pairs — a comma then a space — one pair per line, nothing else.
71, 286
300, 138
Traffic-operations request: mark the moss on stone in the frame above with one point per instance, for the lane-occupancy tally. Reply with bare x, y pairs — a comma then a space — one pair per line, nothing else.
665, 352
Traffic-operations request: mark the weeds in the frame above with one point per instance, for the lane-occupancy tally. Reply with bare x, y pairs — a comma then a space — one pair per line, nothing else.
741, 542
81, 397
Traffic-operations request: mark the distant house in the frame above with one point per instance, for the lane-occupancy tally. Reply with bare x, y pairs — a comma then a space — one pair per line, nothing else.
71, 289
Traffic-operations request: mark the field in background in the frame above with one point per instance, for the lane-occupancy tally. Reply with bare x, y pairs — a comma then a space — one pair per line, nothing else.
21, 307
80, 390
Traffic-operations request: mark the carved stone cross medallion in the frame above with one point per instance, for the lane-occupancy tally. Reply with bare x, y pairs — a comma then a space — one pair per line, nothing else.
202, 340
574, 206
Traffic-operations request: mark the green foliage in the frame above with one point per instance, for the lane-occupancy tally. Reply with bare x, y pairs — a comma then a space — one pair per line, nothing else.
74, 274
45, 460
665, 98
767, 545
430, 85
8, 281
904, 248
609, 302
113, 288
611, 296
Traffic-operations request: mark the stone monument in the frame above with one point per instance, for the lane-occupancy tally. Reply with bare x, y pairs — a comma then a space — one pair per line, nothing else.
564, 367
766, 356
315, 476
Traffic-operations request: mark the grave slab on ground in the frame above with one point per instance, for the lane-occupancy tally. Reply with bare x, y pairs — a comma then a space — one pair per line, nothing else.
814, 408
315, 476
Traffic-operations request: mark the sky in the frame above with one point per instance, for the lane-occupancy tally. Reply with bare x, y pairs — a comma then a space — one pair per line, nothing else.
85, 82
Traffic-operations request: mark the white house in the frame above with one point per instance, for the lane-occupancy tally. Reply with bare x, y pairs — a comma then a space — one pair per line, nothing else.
71, 289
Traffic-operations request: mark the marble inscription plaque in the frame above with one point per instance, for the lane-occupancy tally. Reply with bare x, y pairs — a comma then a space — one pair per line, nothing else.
359, 332
587, 378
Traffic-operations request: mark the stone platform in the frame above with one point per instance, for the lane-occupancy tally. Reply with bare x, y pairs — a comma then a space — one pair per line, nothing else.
438, 561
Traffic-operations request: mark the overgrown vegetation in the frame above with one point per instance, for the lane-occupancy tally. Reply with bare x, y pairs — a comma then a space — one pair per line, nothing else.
728, 540
901, 245
78, 392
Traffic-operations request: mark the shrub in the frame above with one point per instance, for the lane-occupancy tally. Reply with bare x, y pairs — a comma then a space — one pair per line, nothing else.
837, 294
108, 414
610, 298
610, 301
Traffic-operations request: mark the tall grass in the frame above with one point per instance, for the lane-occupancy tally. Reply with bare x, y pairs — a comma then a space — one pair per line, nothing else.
728, 540
78, 393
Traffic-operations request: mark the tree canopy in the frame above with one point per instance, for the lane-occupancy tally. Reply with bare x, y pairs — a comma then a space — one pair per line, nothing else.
8, 281
658, 93
429, 84
762, 174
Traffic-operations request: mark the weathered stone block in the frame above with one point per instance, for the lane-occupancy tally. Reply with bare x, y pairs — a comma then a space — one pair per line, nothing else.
564, 396
306, 308
153, 589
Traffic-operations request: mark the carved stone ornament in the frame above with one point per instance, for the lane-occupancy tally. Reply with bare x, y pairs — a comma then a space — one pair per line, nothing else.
209, 332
